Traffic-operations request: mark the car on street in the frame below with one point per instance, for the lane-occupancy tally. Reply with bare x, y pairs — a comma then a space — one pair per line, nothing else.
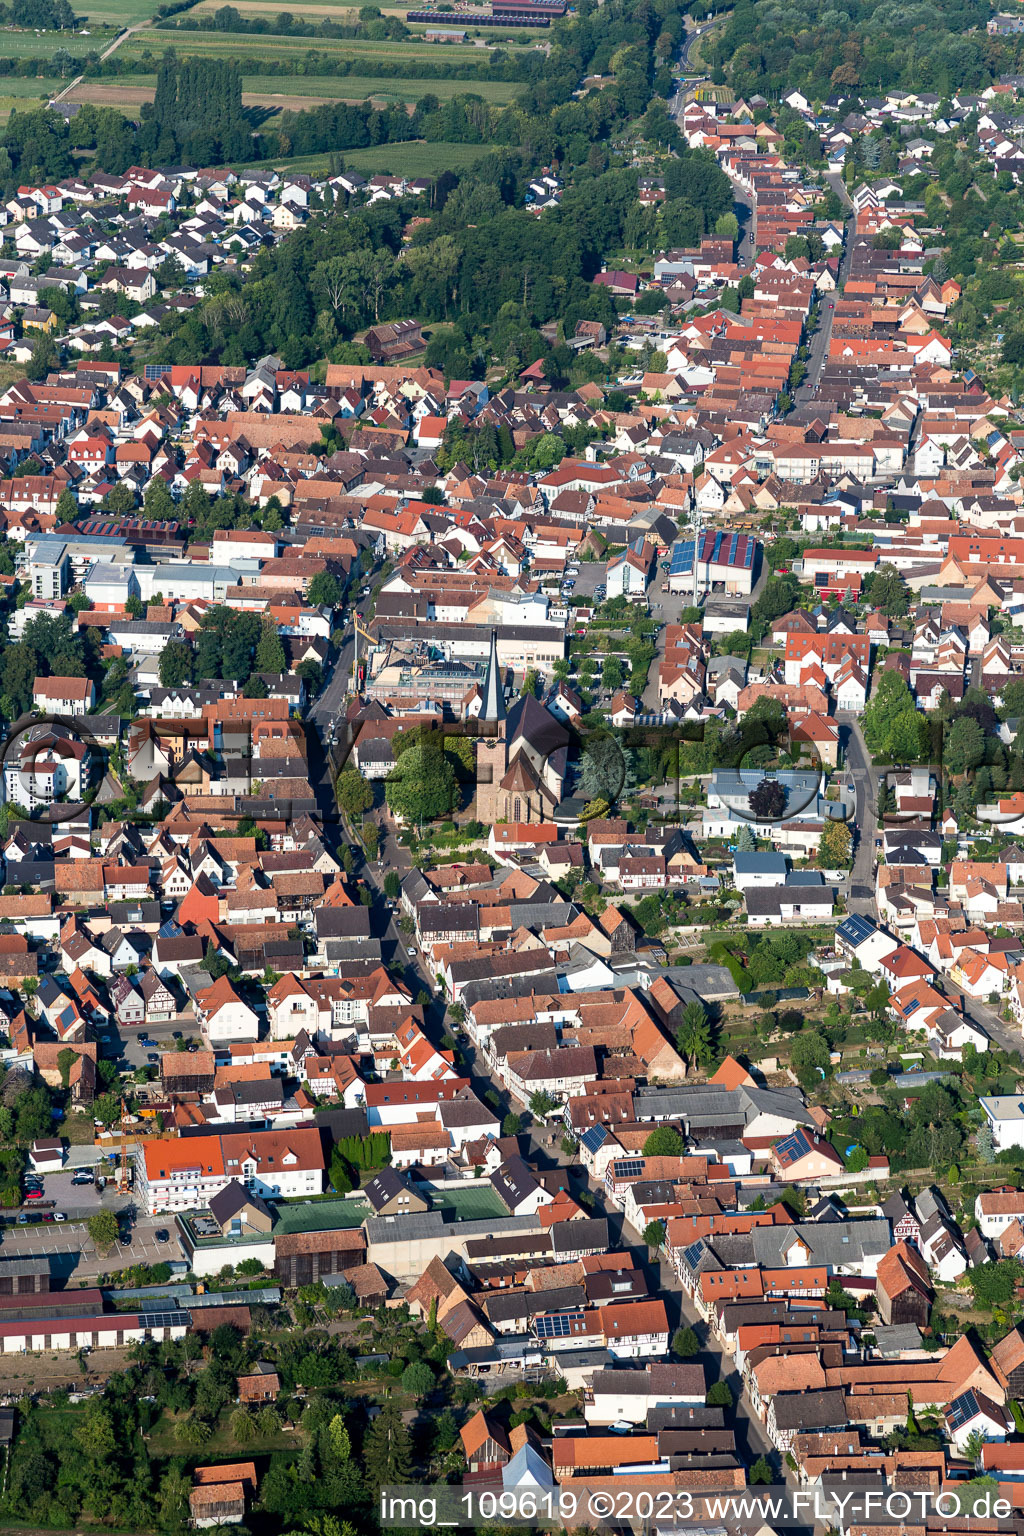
176, 1035
411, 951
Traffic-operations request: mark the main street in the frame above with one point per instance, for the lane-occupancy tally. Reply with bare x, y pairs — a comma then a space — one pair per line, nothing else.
817, 351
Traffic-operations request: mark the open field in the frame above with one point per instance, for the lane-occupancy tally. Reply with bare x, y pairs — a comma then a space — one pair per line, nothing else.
16, 44
417, 158
288, 95
116, 13
243, 45
315, 11
9, 104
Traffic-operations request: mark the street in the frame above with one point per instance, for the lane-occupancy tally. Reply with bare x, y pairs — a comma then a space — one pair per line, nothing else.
865, 780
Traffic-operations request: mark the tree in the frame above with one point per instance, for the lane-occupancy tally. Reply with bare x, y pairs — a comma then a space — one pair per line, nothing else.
511, 1125
810, 1058
67, 507
542, 1103
392, 885
963, 745
719, 1395
338, 1439
418, 1378
176, 662
888, 592
611, 674
243, 1426
387, 1448
993, 1284
761, 1471
324, 591
422, 785
767, 800
355, 795
270, 655
654, 1235
103, 1229
835, 845
664, 1141
694, 1036
685, 1343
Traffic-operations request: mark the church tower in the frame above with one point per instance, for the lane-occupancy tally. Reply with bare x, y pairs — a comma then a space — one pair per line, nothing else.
490, 746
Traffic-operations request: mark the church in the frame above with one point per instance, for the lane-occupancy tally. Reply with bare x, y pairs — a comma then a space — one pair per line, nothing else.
521, 755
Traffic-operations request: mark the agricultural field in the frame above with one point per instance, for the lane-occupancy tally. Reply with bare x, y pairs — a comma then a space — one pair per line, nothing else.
18, 44
243, 45
20, 103
319, 10
292, 94
116, 13
417, 158
315, 11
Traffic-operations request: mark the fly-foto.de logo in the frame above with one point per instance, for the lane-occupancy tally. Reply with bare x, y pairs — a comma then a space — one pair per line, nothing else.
48, 762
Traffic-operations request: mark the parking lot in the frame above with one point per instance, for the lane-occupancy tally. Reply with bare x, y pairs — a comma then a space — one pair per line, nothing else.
72, 1253
127, 1042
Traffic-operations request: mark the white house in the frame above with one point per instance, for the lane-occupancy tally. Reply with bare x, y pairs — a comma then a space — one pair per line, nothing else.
184, 1173
223, 1016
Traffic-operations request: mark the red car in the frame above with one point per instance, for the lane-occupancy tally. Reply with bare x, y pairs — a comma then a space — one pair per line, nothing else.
33, 1194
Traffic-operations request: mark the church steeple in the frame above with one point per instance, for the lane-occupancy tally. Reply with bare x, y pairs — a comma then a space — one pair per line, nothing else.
493, 710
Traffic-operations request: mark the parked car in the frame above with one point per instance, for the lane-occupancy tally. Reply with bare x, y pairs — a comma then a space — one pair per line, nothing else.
163, 1236
33, 1194
59, 1216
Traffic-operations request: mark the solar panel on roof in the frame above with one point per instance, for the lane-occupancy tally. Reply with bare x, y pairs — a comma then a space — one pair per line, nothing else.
558, 1325
628, 1168
595, 1138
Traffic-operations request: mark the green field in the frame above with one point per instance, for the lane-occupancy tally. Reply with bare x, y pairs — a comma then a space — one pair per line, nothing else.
416, 158
358, 87
23, 95
321, 1215
128, 93
117, 13
15, 44
242, 45
478, 1203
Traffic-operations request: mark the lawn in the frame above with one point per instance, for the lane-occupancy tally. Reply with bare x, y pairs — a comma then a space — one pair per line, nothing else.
719, 954
221, 1444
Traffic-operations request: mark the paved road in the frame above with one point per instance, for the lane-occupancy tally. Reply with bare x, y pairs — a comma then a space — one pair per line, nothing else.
861, 898
139, 26
858, 761
544, 1151
818, 349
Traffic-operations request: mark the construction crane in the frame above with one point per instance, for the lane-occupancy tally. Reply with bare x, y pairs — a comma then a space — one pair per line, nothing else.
359, 630
123, 1179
